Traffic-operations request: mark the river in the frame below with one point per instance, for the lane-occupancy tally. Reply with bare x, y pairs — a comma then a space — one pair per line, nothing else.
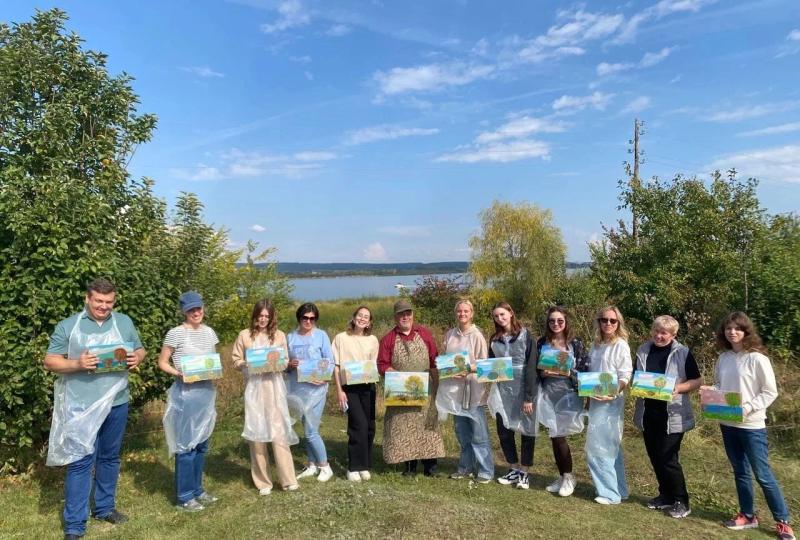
333, 288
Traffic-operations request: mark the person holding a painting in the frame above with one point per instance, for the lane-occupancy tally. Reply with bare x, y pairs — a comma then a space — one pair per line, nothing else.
190, 414
410, 433
266, 413
357, 398
308, 343
610, 354
465, 398
513, 402
561, 410
663, 423
744, 368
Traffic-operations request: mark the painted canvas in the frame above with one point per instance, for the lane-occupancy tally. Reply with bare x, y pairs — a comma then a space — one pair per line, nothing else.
405, 389
450, 365
359, 371
554, 361
201, 367
597, 384
266, 360
111, 356
652, 385
718, 405
319, 370
494, 369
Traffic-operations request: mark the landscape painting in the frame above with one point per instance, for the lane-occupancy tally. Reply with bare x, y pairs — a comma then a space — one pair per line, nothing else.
405, 389
450, 365
359, 372
597, 384
652, 385
266, 360
201, 367
311, 371
555, 361
494, 369
719, 405
111, 356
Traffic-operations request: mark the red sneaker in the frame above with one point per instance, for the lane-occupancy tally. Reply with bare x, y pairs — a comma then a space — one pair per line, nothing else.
783, 531
740, 522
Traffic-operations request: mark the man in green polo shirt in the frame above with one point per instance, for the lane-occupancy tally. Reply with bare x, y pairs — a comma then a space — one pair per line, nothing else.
90, 408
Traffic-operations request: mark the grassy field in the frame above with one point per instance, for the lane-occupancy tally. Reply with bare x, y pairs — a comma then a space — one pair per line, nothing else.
390, 505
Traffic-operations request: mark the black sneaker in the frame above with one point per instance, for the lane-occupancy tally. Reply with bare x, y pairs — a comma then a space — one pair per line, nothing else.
524, 481
658, 503
510, 478
113, 517
678, 510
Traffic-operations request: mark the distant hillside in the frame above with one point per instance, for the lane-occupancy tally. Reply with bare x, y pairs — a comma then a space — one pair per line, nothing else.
297, 269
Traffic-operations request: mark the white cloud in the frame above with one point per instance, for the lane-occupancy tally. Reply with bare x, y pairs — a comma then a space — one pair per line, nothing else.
257, 228
308, 75
570, 104
580, 26
198, 173
772, 130
430, 77
407, 230
663, 8
604, 68
637, 105
793, 45
315, 156
755, 111
779, 164
291, 14
375, 252
305, 59
649, 59
676, 78
500, 152
338, 30
236, 163
384, 132
521, 127
202, 71
794, 35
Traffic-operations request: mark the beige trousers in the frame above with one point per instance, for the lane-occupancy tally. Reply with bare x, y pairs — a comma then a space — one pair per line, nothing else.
259, 464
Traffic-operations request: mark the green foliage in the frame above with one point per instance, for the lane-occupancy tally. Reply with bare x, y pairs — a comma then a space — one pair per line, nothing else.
434, 300
69, 212
520, 254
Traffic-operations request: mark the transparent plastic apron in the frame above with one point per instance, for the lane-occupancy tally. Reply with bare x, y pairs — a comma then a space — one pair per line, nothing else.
191, 413
266, 413
604, 433
559, 407
304, 398
82, 401
506, 398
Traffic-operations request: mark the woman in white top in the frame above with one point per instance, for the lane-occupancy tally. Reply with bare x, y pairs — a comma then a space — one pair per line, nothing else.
358, 400
743, 368
266, 413
610, 354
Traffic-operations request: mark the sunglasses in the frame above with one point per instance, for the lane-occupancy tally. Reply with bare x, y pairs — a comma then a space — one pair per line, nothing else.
307, 318
556, 321
606, 320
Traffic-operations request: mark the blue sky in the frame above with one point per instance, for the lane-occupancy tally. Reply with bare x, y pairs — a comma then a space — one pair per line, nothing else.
376, 131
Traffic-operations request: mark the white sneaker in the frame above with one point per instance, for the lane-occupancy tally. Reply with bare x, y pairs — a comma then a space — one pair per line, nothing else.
311, 470
291, 487
567, 485
265, 491
351, 476
325, 473
604, 500
555, 485
365, 475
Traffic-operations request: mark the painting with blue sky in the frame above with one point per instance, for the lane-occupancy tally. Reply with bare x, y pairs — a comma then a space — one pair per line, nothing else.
376, 131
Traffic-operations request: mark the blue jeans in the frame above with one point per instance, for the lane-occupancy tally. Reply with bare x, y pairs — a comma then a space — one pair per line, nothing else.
315, 446
747, 450
189, 473
104, 462
476, 447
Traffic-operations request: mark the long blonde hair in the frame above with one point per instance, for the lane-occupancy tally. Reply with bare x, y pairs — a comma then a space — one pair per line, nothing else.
620, 333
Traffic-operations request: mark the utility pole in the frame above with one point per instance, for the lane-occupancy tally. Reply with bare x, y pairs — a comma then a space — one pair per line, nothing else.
635, 182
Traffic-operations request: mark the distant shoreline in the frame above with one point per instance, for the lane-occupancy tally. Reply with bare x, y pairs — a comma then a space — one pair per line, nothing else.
295, 270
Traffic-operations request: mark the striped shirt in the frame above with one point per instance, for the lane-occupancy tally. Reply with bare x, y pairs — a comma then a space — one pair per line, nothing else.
184, 340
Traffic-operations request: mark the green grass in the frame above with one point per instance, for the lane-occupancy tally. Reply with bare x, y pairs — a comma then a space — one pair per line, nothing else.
389, 505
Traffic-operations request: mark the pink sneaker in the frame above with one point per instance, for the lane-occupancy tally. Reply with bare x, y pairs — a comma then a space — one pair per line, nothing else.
740, 522
784, 531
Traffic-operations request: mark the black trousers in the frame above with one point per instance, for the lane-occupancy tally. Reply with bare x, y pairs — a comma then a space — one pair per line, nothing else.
662, 449
509, 444
360, 425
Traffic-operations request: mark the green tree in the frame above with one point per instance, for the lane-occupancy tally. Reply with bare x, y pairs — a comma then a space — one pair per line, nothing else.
520, 253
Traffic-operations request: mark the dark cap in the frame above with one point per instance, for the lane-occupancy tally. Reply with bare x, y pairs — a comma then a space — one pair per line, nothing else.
190, 300
401, 306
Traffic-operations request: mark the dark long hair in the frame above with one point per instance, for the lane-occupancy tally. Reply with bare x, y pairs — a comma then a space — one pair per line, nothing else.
549, 334
499, 331
351, 326
751, 341
272, 324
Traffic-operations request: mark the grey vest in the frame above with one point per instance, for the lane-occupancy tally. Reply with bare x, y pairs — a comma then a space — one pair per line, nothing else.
680, 416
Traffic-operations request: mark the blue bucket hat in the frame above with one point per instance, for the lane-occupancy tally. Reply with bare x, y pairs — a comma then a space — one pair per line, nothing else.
190, 300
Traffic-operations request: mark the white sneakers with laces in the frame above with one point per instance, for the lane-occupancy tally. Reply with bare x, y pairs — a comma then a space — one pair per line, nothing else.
311, 470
